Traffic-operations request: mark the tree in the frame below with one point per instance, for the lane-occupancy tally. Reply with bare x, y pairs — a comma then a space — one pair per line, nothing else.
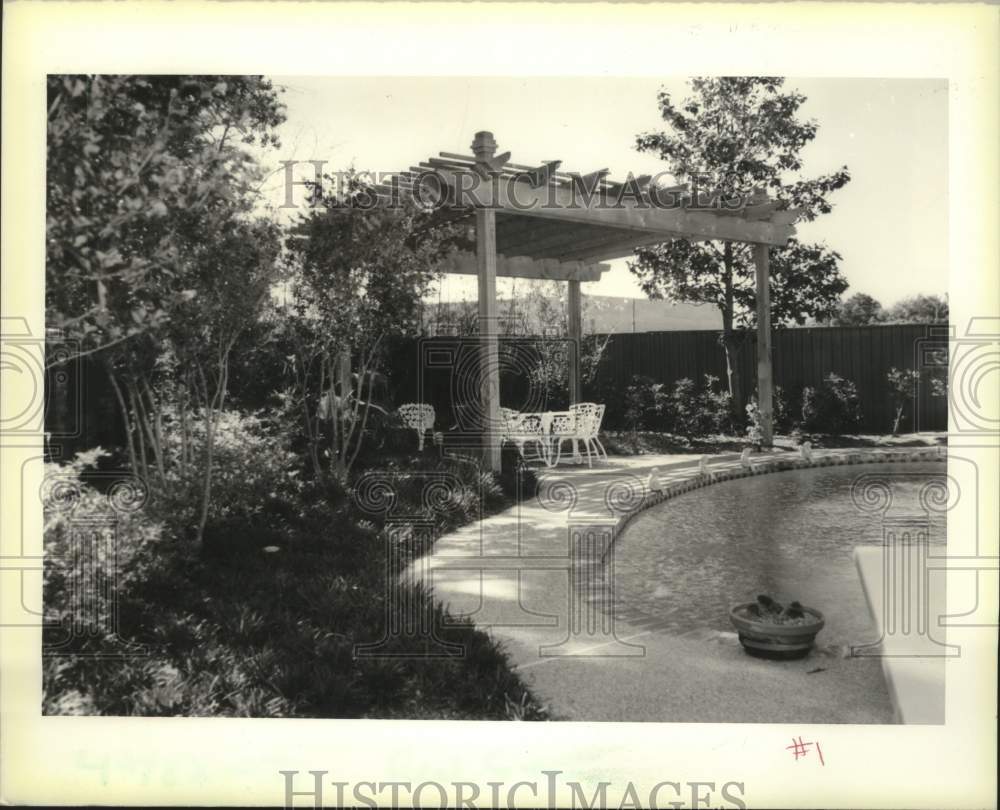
903, 387
543, 312
859, 310
744, 133
155, 259
361, 272
176, 373
919, 309
535, 309
134, 166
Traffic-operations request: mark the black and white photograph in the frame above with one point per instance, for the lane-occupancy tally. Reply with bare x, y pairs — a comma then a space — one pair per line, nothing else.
395, 449
596, 401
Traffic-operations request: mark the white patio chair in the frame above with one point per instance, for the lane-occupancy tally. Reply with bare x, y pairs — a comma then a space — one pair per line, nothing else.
562, 428
576, 425
589, 416
419, 417
523, 429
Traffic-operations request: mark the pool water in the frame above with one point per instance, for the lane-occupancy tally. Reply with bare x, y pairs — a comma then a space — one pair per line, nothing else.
681, 565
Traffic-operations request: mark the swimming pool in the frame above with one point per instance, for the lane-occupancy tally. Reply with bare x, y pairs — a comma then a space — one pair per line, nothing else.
679, 566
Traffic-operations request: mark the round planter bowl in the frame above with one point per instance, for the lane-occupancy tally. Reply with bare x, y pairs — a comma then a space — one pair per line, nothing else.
776, 641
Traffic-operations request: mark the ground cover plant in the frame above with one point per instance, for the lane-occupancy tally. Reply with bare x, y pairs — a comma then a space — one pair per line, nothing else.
263, 622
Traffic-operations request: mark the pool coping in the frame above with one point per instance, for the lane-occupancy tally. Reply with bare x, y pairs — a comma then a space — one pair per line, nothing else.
820, 458
915, 679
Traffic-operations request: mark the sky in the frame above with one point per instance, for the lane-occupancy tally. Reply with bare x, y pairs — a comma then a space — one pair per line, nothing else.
889, 223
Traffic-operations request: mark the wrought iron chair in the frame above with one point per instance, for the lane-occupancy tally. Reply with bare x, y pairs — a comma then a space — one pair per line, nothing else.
581, 423
523, 429
419, 417
589, 416
563, 429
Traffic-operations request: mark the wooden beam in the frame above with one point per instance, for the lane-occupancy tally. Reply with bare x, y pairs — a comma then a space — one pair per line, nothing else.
760, 211
592, 180
517, 196
489, 355
554, 173
540, 176
601, 251
458, 162
765, 409
609, 244
574, 305
557, 237
484, 147
595, 182
526, 267
635, 185
528, 229
486, 166
786, 217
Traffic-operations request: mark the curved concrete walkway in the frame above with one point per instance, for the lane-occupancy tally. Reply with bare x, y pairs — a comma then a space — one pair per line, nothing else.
533, 577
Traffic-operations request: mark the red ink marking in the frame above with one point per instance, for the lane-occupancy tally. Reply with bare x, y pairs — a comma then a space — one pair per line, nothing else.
800, 748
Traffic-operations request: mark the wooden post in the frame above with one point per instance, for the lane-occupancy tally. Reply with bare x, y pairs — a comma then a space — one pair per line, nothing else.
574, 311
489, 357
761, 260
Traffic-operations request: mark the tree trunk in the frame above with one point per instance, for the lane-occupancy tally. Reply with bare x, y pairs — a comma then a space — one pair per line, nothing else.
730, 344
206, 493
217, 401
137, 420
126, 420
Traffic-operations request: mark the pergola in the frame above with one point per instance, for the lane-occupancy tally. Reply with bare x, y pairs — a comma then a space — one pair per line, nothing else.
537, 222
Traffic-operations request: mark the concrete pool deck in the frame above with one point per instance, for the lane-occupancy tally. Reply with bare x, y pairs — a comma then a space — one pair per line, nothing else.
527, 576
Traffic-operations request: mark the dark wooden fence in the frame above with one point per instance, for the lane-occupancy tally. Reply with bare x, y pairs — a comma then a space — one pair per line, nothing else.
81, 411
801, 357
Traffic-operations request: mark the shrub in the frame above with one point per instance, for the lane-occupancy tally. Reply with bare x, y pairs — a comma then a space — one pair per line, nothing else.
716, 405
832, 408
902, 391
779, 416
517, 480
692, 411
684, 410
256, 476
469, 491
680, 407
642, 406
85, 570
389, 435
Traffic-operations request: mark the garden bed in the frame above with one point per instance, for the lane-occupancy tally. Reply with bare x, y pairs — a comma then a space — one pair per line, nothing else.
272, 631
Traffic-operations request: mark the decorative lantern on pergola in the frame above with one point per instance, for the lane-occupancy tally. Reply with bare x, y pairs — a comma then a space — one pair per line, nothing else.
537, 222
